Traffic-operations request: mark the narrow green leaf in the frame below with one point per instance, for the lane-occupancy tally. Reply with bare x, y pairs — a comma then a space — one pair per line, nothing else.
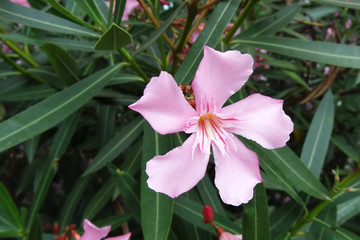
35, 232
31, 147
9, 215
92, 10
119, 11
52, 110
355, 4
347, 210
341, 233
156, 208
58, 147
114, 38
341, 143
56, 5
125, 78
271, 24
73, 199
317, 231
99, 200
156, 34
288, 163
256, 219
318, 137
34, 18
283, 217
209, 36
114, 221
63, 63
132, 162
322, 52
28, 93
129, 188
106, 123
116, 145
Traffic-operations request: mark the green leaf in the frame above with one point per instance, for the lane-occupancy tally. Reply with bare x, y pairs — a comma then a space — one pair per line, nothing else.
9, 215
209, 36
256, 219
318, 137
341, 143
156, 208
106, 123
49, 166
35, 232
34, 18
347, 210
56, 5
63, 63
129, 188
346, 4
156, 34
116, 145
53, 110
28, 93
283, 217
119, 11
114, 221
271, 24
322, 52
286, 162
341, 233
91, 8
99, 200
31, 147
317, 231
114, 38
73, 199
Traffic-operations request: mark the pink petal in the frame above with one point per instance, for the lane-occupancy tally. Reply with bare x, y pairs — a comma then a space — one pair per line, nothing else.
220, 75
178, 171
129, 6
229, 236
163, 105
261, 119
237, 175
122, 237
91, 232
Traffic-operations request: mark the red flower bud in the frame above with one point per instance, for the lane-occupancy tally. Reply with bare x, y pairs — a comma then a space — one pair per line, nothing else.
56, 228
75, 235
208, 214
220, 231
182, 87
192, 103
163, 2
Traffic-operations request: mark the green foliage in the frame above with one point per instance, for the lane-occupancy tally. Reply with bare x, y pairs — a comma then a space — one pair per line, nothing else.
71, 149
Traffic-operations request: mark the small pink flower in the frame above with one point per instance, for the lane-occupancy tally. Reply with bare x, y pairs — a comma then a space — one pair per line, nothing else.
257, 117
229, 236
91, 232
328, 33
21, 2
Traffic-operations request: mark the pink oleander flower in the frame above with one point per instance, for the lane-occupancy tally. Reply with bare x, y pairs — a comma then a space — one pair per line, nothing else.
257, 117
229, 236
21, 2
91, 232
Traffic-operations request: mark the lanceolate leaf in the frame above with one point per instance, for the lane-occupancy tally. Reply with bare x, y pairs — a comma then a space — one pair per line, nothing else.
114, 38
328, 215
346, 4
256, 219
288, 163
156, 208
322, 52
34, 18
52, 110
318, 137
271, 24
209, 36
62, 62
9, 215
116, 145
91, 9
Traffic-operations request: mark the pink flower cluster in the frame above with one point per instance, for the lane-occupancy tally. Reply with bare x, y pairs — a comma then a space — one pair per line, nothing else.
211, 125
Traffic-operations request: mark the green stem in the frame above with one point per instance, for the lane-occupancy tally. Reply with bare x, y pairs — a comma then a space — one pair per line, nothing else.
191, 14
334, 193
133, 64
249, 6
19, 68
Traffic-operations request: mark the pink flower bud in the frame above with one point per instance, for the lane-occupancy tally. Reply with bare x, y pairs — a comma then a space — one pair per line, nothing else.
208, 214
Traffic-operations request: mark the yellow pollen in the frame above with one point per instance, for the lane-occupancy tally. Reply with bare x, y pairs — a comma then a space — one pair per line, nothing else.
205, 124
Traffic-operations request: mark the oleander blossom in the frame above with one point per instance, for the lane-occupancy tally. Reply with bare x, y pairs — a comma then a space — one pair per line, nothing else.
257, 117
91, 232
